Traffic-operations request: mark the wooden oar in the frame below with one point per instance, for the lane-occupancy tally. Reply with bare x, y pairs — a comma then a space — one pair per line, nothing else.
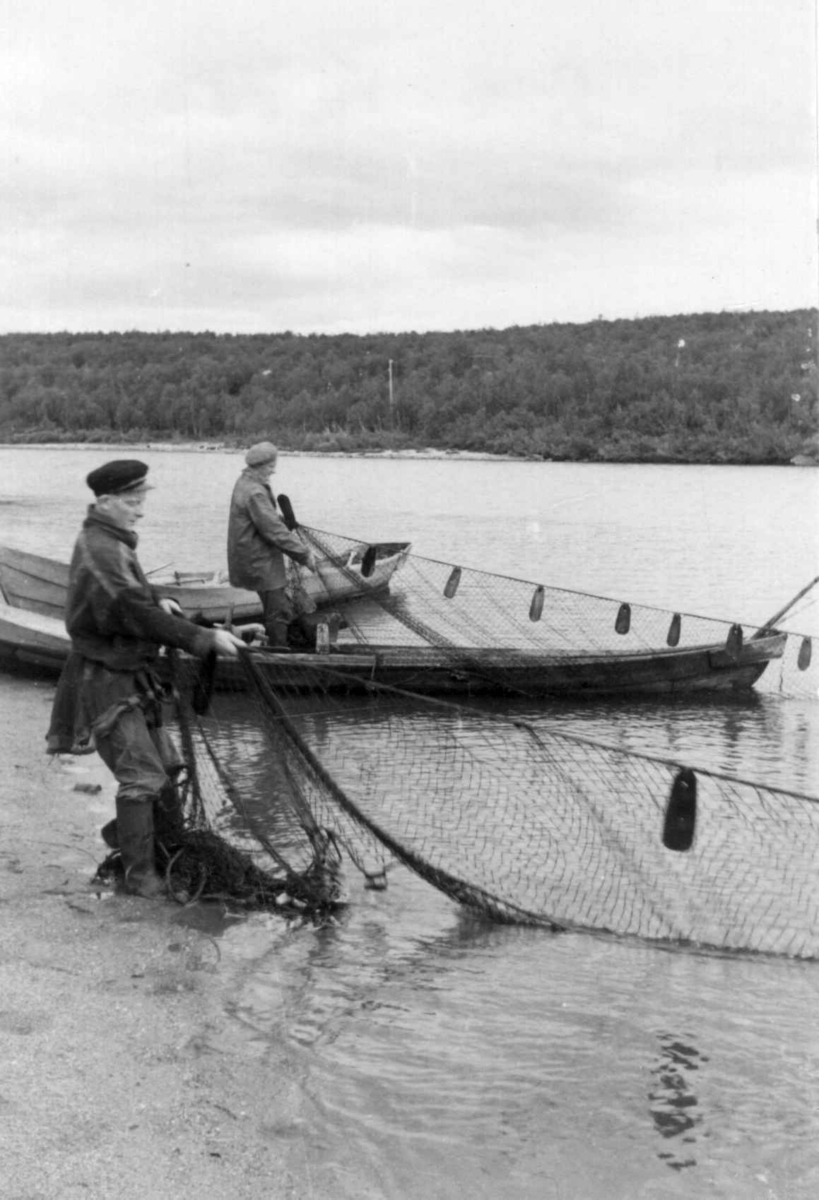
289, 517
368, 561
771, 622
303, 602
286, 508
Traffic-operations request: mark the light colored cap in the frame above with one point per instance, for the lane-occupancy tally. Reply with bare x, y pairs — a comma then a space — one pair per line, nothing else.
261, 453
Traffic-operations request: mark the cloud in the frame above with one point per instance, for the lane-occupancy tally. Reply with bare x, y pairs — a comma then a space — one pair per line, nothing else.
273, 164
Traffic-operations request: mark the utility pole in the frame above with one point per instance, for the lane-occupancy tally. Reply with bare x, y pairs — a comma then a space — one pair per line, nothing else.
392, 396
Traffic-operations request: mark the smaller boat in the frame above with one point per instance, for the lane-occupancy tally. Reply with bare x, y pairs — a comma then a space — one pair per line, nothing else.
40, 585
31, 643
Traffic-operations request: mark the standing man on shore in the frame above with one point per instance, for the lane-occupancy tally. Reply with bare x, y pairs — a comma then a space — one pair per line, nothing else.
258, 540
109, 697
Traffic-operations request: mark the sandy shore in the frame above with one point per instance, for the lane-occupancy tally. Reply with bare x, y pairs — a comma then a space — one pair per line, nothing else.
127, 1071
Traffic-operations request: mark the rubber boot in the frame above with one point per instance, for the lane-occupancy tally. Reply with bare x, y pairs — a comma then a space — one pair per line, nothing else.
276, 631
110, 835
135, 829
169, 824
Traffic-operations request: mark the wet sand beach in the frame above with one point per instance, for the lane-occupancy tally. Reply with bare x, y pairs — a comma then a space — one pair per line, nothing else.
124, 1072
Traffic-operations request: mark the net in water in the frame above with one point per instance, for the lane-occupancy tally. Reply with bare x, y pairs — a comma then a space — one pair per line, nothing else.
517, 823
312, 771
438, 627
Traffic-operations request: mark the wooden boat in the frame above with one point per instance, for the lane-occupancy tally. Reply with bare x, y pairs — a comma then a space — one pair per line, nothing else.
30, 640
564, 673
430, 671
40, 585
442, 629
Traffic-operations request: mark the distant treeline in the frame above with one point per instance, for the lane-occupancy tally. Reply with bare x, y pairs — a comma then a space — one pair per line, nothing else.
708, 387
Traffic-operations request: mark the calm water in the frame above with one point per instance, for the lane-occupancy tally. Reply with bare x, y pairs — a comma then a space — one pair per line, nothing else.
437, 1057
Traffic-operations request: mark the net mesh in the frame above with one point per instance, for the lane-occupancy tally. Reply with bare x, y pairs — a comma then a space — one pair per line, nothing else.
796, 673
436, 627
518, 823
305, 763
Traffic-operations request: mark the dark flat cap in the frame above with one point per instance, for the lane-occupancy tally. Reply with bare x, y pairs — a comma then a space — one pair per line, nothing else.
121, 475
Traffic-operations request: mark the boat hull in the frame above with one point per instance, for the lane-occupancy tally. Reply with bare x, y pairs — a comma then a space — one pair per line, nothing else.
33, 640
430, 671
31, 643
40, 585
371, 646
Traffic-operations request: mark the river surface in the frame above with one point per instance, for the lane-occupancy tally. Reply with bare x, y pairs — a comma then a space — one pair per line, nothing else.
442, 1057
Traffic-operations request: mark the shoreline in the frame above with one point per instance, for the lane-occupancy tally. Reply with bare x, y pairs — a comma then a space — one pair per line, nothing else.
210, 447
127, 1070
800, 460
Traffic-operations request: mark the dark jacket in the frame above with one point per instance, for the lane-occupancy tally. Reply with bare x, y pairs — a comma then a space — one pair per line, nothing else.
112, 613
258, 538
116, 628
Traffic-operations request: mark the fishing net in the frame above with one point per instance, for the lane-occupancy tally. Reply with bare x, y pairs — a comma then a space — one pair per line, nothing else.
516, 823
192, 853
796, 673
435, 627
311, 767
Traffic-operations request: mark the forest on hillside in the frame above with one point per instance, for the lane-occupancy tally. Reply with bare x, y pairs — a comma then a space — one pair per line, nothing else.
710, 387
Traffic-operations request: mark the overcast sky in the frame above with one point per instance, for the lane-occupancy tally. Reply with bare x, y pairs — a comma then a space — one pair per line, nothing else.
363, 165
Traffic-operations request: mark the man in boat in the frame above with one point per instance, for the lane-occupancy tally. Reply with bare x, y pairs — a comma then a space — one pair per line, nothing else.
258, 540
109, 697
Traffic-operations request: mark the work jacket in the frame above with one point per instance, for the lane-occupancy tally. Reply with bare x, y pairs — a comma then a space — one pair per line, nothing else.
112, 614
116, 627
258, 538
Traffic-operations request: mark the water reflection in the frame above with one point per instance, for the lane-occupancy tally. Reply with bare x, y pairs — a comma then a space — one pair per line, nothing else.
245, 785
767, 738
673, 1100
